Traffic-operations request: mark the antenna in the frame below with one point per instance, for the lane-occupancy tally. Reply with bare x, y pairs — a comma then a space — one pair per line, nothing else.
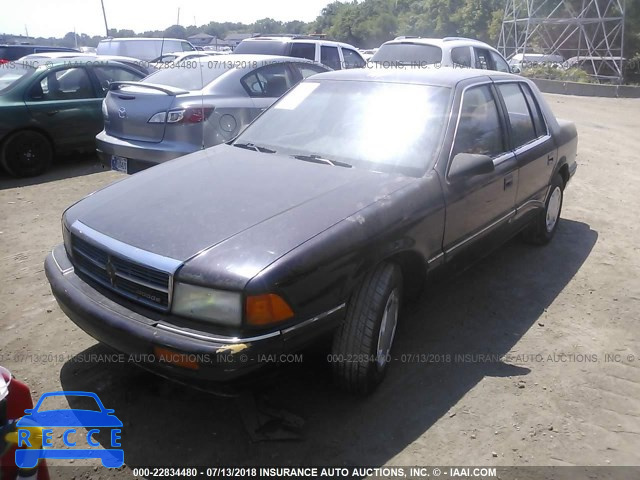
178, 20
104, 14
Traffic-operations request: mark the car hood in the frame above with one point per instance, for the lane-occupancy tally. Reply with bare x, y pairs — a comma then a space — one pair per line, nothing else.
246, 203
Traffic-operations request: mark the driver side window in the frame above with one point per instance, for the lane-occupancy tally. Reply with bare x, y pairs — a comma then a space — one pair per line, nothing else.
479, 128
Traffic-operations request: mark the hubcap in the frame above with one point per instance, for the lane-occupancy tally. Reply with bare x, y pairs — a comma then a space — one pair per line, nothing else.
388, 327
553, 209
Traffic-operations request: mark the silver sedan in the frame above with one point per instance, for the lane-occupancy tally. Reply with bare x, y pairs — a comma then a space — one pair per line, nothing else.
196, 104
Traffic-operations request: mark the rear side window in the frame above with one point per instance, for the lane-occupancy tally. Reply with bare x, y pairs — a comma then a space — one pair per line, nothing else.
479, 128
536, 112
461, 57
499, 62
522, 129
352, 59
108, 75
262, 47
271, 81
187, 47
330, 57
483, 59
303, 50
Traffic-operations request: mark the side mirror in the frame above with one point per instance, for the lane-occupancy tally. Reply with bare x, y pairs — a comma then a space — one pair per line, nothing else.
469, 165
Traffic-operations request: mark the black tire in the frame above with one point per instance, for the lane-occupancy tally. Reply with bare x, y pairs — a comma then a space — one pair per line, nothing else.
539, 232
357, 366
26, 154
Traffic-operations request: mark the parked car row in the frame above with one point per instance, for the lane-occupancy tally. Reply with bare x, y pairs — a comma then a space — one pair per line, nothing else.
318, 219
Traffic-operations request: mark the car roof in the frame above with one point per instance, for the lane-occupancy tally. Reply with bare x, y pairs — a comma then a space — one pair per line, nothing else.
448, 42
445, 77
297, 38
247, 59
142, 38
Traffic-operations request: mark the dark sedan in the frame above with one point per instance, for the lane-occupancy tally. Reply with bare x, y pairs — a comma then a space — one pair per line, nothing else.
49, 107
341, 198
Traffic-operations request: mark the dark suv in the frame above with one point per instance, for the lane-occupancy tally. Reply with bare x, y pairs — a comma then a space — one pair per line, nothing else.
9, 53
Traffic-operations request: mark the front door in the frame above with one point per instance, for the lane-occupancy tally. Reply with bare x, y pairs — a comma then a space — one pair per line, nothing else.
479, 204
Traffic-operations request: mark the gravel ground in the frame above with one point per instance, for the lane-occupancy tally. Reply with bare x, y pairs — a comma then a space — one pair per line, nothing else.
532, 356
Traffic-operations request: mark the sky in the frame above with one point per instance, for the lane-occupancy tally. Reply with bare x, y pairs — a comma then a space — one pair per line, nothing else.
47, 18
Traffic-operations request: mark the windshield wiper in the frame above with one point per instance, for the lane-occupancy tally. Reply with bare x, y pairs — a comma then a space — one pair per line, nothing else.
319, 159
253, 146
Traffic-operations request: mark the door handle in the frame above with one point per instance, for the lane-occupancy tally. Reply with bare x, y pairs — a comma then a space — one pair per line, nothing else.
508, 181
549, 160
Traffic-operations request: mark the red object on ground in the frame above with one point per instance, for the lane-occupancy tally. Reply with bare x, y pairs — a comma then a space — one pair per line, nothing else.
18, 400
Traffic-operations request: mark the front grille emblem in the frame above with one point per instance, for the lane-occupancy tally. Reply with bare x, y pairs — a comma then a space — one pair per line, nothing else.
111, 272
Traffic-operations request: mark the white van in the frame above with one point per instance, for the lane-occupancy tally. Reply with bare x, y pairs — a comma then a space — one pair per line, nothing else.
142, 48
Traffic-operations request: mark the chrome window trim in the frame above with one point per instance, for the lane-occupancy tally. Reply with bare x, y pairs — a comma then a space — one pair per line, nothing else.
529, 145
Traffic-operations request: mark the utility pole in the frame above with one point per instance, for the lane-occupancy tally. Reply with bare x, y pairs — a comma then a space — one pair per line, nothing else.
104, 14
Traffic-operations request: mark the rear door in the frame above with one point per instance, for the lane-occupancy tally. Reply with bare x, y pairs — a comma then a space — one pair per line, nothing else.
65, 103
534, 148
330, 57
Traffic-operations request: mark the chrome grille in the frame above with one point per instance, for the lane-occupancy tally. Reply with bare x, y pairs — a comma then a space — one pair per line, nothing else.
140, 283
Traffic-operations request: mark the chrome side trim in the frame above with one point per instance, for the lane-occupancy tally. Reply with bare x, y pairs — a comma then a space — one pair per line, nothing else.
211, 338
121, 249
64, 271
485, 229
436, 258
308, 322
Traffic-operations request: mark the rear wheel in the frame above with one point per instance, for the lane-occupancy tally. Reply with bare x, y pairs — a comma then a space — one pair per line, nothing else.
362, 344
544, 226
26, 154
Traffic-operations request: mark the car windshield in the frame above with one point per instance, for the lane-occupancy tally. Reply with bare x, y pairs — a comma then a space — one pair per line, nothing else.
190, 74
12, 73
389, 127
407, 53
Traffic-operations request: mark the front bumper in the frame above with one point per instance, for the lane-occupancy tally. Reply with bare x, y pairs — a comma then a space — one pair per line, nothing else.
219, 358
140, 155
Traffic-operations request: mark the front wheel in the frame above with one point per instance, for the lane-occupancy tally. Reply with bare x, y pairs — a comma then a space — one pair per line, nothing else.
544, 226
26, 154
362, 345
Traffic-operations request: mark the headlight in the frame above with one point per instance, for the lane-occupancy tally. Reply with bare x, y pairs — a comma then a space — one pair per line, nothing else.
215, 306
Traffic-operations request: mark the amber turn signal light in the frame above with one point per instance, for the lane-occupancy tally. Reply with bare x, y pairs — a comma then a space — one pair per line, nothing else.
266, 309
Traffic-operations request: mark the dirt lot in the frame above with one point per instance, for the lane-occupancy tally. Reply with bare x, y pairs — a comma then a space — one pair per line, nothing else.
554, 313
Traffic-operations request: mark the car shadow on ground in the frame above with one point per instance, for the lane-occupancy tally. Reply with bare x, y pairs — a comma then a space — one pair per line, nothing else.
485, 311
67, 166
